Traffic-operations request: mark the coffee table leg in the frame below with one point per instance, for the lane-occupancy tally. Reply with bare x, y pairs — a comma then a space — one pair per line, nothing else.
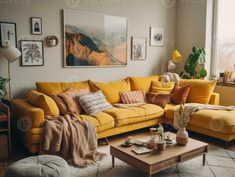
113, 161
204, 159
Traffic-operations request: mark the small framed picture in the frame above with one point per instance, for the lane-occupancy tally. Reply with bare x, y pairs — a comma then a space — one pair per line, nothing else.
32, 53
7, 33
36, 25
138, 48
157, 36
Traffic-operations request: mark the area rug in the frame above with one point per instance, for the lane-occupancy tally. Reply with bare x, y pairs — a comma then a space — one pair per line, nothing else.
219, 163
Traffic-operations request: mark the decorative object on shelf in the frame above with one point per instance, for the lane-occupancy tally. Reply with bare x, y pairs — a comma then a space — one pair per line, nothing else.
227, 76
8, 34
182, 134
36, 25
195, 65
157, 36
176, 58
51, 41
94, 40
138, 48
11, 53
32, 53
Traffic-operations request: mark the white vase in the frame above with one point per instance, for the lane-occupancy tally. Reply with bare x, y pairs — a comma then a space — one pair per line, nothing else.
182, 136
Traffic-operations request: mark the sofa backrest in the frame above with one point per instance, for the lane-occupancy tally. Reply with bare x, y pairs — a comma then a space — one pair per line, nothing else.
142, 83
51, 88
200, 90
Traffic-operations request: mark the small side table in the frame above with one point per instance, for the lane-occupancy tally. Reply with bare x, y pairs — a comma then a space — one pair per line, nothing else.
5, 131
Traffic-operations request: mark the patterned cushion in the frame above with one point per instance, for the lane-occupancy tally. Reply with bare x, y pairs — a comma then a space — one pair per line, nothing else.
158, 99
93, 103
133, 97
180, 94
162, 87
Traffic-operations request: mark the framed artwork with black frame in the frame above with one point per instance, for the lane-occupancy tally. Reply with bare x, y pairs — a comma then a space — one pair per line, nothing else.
157, 36
32, 53
8, 33
138, 48
36, 25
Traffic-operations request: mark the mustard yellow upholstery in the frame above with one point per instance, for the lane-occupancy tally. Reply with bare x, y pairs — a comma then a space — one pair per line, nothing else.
162, 87
200, 90
102, 121
23, 109
43, 101
214, 99
142, 83
131, 115
111, 89
51, 88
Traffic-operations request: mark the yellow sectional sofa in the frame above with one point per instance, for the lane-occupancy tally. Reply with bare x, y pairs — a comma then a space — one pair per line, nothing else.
28, 119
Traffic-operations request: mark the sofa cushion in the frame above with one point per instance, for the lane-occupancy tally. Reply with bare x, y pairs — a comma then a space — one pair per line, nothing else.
93, 103
179, 94
215, 120
200, 90
44, 102
130, 97
111, 89
102, 121
158, 99
53, 88
162, 87
142, 83
169, 112
131, 115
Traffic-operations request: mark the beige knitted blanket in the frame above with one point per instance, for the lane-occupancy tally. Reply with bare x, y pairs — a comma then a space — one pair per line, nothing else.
190, 108
70, 138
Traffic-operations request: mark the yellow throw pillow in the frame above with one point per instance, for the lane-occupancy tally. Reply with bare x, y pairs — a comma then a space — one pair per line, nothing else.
142, 83
44, 102
200, 90
54, 88
162, 87
111, 90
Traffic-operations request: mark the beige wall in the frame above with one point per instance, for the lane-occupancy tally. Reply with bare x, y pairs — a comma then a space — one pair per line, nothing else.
190, 26
141, 15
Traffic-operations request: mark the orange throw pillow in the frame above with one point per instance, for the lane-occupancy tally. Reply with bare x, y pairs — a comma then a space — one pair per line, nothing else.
180, 94
130, 97
158, 99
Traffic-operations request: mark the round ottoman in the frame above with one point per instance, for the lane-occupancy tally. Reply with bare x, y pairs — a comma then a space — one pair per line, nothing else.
39, 166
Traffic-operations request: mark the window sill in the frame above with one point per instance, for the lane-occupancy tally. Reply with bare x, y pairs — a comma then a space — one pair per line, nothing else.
227, 84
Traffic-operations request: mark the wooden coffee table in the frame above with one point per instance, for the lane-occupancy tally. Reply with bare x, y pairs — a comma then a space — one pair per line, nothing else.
155, 161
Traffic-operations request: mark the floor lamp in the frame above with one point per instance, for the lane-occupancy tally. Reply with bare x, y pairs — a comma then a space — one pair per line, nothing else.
11, 53
176, 58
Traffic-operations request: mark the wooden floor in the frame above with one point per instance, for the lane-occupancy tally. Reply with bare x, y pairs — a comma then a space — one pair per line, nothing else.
20, 152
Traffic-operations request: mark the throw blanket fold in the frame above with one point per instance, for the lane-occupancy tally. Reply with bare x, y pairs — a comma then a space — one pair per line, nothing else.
70, 138
170, 77
190, 108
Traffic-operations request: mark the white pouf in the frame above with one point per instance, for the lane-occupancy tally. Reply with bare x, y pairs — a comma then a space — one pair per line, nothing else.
39, 166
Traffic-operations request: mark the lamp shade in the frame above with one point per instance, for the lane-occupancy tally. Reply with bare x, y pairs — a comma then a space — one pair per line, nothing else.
176, 56
171, 65
11, 53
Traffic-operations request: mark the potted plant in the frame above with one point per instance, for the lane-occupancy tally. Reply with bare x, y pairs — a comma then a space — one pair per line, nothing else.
3, 90
195, 65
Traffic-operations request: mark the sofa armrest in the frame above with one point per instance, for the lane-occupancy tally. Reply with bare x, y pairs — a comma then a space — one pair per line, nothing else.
214, 99
23, 109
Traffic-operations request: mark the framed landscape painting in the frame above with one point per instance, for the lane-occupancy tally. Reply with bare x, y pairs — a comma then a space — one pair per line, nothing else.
32, 53
94, 40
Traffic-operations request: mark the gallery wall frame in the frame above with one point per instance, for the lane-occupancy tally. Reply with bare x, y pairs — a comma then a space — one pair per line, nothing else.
32, 53
138, 48
36, 25
8, 34
94, 40
156, 36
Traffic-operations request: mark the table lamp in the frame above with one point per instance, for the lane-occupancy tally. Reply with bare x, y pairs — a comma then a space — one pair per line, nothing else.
11, 53
176, 58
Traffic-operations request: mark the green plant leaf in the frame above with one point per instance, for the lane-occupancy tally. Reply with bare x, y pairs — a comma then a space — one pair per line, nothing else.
203, 73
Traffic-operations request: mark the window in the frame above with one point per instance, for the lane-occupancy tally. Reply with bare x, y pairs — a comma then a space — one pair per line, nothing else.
224, 44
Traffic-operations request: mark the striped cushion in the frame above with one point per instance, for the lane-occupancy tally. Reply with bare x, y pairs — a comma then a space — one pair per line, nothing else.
93, 103
133, 97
